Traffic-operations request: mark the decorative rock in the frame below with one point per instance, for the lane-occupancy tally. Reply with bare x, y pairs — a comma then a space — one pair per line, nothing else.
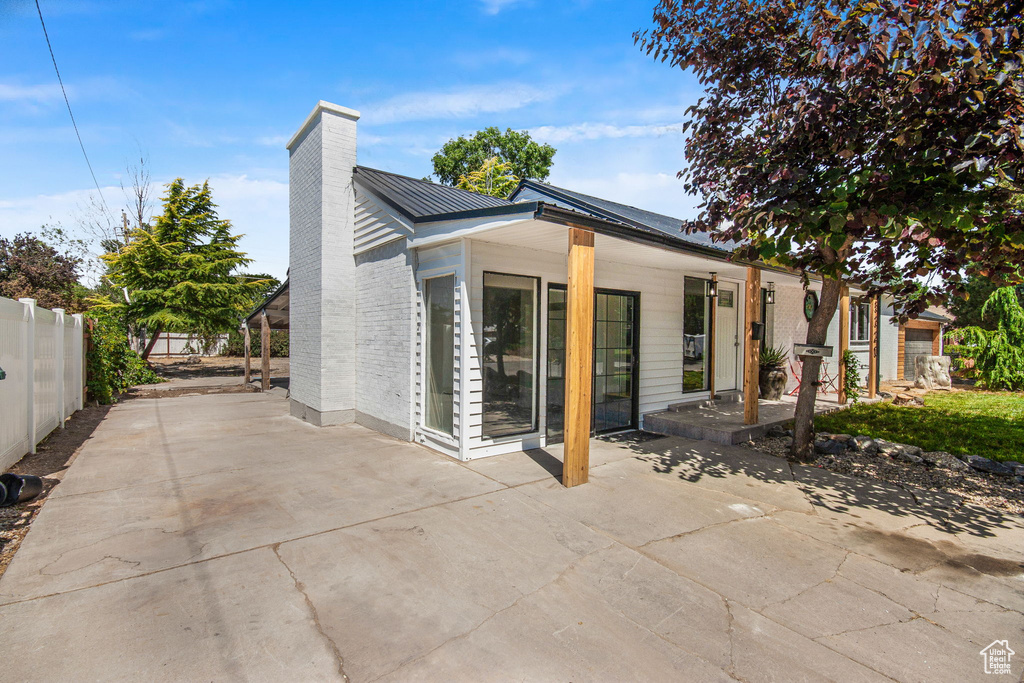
888, 448
916, 451
842, 438
1019, 479
991, 466
830, 447
907, 400
777, 431
904, 456
865, 444
945, 461
932, 372
787, 441
885, 395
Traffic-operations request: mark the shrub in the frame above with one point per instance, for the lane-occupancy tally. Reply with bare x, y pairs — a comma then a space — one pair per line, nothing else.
112, 365
236, 344
995, 357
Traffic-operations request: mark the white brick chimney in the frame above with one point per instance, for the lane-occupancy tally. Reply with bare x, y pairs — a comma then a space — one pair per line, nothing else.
322, 335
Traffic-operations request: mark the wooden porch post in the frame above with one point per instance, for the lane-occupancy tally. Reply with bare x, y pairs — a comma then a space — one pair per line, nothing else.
844, 340
873, 348
579, 355
265, 351
710, 348
750, 346
248, 354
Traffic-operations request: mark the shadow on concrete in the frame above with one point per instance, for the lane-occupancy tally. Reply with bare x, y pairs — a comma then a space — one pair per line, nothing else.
549, 462
693, 461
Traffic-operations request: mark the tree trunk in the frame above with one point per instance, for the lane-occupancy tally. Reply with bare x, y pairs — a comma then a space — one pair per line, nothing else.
151, 343
817, 332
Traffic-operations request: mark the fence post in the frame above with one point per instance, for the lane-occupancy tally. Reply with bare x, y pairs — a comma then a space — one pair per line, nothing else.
80, 349
30, 369
58, 334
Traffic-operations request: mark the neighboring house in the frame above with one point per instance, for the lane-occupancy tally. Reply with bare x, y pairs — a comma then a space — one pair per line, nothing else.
439, 316
923, 336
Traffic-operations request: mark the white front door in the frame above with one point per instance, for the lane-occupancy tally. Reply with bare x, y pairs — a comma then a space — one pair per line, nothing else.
726, 333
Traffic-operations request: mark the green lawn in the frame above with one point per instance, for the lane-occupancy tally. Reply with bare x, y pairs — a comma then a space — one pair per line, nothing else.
989, 424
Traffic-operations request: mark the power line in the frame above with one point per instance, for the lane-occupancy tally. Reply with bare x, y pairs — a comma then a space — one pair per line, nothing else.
73, 123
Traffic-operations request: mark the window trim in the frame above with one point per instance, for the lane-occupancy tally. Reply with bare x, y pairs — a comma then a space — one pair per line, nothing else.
426, 353
535, 426
708, 339
856, 308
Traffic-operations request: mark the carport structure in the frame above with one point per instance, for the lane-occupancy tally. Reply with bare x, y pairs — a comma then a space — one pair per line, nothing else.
272, 314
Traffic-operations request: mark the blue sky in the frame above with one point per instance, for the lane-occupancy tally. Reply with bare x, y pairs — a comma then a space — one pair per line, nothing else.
213, 89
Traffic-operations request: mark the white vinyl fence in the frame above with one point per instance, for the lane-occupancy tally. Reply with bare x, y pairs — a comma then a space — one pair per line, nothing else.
41, 354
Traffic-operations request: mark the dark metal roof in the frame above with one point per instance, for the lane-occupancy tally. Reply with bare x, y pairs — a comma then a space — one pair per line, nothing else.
623, 213
417, 199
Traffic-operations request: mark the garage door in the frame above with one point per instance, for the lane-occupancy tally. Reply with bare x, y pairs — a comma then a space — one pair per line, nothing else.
918, 343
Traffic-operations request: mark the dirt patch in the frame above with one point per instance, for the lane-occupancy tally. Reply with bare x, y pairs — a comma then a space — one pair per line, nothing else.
149, 392
214, 366
50, 462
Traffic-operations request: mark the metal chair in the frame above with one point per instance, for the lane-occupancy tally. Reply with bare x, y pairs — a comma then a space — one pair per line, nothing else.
797, 375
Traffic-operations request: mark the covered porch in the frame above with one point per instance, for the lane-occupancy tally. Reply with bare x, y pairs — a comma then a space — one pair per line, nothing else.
700, 382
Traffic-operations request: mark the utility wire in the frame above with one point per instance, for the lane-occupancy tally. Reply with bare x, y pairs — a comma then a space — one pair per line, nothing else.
73, 123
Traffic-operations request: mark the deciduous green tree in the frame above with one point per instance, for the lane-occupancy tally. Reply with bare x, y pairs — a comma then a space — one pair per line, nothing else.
494, 178
464, 155
847, 137
180, 272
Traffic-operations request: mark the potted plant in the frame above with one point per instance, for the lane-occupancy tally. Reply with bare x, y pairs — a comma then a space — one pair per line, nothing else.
772, 376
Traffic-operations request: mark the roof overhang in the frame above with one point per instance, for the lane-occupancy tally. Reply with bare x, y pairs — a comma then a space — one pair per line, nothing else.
276, 308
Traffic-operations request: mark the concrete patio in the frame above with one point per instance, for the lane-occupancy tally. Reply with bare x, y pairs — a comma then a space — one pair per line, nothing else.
214, 537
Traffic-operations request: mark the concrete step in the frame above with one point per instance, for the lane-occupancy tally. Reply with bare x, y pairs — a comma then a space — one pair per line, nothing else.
723, 397
674, 423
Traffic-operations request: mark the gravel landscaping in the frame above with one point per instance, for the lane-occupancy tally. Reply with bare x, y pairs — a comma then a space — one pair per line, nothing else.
973, 479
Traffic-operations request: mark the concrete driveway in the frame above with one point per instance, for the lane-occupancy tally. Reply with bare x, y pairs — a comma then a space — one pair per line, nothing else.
216, 538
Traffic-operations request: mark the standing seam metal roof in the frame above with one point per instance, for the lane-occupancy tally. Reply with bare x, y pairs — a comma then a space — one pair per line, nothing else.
417, 199
623, 213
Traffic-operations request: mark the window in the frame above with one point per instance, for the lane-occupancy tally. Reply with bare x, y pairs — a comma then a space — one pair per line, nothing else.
439, 301
860, 321
696, 337
510, 354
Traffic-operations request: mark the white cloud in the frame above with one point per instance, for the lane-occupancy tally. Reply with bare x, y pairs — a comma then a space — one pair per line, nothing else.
658, 192
272, 140
597, 131
455, 104
257, 208
29, 93
496, 6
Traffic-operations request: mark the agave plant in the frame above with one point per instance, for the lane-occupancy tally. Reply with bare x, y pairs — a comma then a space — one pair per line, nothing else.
773, 357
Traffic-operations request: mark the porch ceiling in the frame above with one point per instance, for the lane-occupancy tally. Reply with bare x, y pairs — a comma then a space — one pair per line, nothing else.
551, 237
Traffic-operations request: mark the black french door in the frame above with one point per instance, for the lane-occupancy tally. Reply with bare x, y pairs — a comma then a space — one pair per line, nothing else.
615, 367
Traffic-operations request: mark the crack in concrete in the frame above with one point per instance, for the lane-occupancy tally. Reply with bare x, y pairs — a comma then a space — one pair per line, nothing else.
835, 573
301, 588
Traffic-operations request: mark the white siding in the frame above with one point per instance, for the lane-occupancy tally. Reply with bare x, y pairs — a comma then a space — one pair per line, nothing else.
432, 262
375, 224
661, 324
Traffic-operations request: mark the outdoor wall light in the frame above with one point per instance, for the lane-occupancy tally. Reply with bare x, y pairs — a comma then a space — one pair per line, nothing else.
769, 297
711, 286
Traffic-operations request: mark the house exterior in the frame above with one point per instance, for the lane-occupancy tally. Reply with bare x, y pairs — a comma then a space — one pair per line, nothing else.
923, 336
458, 320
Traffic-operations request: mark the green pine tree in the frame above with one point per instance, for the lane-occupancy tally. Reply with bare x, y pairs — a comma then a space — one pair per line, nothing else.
179, 273
996, 356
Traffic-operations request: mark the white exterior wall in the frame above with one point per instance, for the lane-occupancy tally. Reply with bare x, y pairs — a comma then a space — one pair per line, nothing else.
385, 310
661, 325
322, 275
41, 354
889, 342
448, 259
